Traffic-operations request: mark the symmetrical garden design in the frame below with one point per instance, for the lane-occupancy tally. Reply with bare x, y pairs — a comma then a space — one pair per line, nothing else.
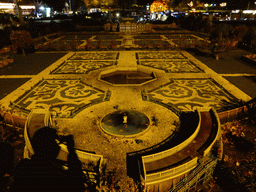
198, 94
64, 98
187, 94
161, 55
82, 67
95, 56
172, 66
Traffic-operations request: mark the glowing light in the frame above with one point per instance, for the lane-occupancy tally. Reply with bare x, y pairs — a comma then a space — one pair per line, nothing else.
7, 5
224, 4
27, 6
190, 4
158, 6
48, 12
248, 11
235, 11
12, 5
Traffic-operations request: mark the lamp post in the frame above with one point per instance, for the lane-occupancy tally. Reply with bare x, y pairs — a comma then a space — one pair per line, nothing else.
117, 17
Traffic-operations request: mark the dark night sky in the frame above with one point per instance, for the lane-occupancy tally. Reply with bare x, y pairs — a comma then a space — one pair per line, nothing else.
60, 3
232, 4
144, 2
57, 5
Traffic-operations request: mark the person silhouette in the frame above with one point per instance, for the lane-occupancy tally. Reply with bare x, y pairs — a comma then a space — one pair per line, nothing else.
44, 172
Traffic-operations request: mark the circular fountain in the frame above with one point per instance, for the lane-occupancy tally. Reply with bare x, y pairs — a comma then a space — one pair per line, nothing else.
127, 123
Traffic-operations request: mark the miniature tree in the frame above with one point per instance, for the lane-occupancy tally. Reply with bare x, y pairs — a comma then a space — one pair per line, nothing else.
216, 39
21, 40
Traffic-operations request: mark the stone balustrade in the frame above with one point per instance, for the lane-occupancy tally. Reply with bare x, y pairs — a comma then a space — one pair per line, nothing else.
171, 151
171, 173
218, 135
38, 119
207, 133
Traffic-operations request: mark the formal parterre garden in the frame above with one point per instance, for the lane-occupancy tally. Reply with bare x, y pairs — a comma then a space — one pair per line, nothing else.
236, 171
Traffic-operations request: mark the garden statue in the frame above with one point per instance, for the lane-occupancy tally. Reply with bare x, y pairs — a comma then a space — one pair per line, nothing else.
125, 118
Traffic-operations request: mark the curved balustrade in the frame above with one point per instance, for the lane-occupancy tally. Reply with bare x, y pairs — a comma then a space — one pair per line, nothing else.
171, 173
216, 122
83, 155
175, 149
166, 144
155, 166
38, 119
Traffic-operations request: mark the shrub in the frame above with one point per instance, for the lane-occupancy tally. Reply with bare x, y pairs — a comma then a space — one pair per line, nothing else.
239, 32
22, 40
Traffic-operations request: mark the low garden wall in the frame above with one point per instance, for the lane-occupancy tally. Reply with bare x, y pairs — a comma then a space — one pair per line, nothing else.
232, 114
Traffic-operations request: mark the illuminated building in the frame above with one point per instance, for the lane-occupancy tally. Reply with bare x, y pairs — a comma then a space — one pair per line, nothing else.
10, 8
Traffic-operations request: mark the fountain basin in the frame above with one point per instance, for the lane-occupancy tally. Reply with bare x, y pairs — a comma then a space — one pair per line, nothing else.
114, 123
127, 77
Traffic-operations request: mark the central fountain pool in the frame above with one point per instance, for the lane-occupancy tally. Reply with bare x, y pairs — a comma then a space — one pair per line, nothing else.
125, 123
